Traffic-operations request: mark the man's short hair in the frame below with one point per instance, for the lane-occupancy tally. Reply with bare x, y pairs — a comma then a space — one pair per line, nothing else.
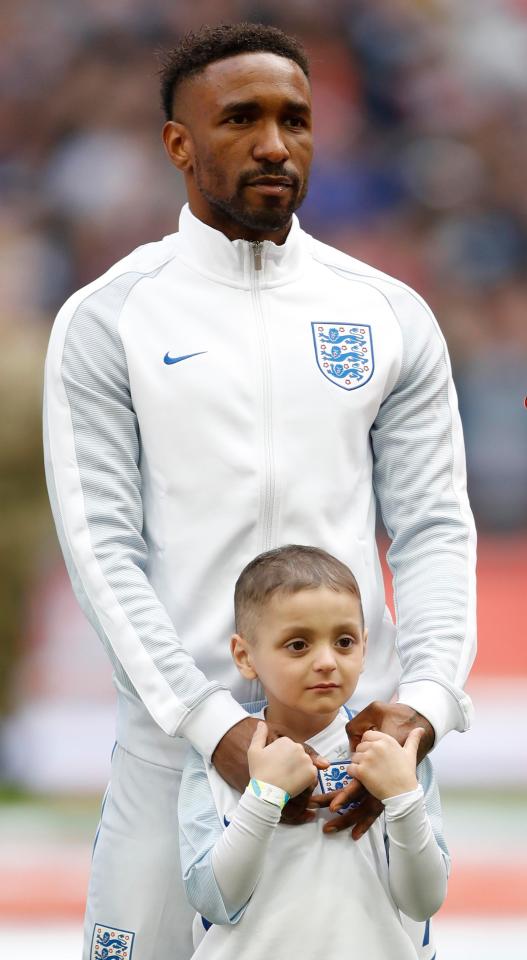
287, 570
197, 49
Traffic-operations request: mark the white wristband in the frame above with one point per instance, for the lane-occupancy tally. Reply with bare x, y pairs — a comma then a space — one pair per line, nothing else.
268, 792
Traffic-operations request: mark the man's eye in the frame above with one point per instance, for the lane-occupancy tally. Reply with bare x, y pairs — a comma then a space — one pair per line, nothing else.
297, 646
296, 122
238, 118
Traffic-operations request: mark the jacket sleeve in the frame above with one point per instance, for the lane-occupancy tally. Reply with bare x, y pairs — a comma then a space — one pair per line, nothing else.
419, 479
92, 455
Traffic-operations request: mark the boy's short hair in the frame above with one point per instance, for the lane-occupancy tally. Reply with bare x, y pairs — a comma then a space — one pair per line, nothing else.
287, 569
195, 51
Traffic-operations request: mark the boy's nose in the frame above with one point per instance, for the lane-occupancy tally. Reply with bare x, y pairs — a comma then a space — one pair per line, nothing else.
324, 660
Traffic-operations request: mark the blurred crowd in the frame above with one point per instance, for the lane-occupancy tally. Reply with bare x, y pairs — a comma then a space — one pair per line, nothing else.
421, 153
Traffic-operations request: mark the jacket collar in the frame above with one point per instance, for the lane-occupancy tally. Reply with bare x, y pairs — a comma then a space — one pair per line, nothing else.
209, 252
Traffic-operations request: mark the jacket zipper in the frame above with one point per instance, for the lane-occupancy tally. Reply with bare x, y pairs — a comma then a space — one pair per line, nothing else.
268, 491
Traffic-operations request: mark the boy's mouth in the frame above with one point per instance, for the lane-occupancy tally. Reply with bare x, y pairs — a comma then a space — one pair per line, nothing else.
324, 686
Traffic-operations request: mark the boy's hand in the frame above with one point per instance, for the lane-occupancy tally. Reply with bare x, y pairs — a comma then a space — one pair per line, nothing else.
230, 760
283, 762
396, 719
384, 767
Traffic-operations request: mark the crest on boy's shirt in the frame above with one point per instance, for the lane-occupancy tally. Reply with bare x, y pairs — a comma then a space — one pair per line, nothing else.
336, 777
344, 353
110, 943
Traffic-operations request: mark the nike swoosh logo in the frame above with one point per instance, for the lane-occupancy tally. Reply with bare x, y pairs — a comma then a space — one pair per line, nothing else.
168, 359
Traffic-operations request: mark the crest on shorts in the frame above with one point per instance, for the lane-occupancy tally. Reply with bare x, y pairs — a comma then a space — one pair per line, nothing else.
110, 943
344, 353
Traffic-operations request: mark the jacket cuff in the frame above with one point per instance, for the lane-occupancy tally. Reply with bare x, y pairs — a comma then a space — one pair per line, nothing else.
446, 707
209, 721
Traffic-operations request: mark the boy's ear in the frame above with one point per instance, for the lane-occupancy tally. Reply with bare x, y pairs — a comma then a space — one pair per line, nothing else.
364, 647
241, 654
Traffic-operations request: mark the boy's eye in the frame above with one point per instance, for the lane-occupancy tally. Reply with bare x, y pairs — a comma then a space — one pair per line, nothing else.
345, 642
296, 646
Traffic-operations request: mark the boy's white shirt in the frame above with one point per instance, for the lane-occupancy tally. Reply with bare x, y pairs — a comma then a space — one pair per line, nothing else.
314, 894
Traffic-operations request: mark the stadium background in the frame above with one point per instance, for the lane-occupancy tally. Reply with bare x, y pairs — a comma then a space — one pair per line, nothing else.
421, 152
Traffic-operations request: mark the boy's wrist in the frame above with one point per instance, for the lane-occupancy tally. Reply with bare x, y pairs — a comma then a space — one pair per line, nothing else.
398, 804
268, 792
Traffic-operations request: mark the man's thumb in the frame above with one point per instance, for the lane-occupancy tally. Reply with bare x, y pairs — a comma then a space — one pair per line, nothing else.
413, 739
259, 739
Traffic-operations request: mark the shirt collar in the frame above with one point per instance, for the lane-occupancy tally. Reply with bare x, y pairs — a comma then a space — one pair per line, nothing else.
212, 254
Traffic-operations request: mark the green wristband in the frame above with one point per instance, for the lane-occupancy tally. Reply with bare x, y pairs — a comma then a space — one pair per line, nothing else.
268, 792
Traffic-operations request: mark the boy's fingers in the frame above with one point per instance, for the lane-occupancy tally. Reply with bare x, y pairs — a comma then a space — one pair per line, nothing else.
259, 739
413, 740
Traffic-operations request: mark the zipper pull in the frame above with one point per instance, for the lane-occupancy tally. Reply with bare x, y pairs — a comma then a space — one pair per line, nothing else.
257, 250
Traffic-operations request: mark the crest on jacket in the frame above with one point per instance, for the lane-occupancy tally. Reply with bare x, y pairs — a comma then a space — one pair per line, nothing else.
344, 353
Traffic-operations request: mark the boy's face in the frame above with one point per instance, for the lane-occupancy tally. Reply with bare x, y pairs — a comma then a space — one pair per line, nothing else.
307, 650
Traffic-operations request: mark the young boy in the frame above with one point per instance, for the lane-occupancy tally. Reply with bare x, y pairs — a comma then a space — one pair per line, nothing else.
270, 890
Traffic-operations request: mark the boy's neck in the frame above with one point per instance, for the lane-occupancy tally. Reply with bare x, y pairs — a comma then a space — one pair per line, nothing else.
296, 725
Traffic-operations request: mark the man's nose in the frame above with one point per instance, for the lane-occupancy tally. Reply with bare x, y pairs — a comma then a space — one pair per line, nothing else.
270, 144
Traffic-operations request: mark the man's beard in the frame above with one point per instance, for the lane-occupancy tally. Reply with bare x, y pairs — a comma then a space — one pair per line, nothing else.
264, 218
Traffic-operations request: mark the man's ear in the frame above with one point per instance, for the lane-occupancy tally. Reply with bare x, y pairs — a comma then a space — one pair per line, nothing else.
241, 654
178, 145
364, 647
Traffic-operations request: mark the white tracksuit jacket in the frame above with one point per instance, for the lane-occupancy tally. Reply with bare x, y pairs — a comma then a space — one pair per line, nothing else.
207, 400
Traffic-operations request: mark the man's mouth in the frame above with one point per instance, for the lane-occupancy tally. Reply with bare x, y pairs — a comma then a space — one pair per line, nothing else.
271, 185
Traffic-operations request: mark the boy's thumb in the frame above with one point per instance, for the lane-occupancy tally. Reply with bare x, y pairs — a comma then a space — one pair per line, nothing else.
260, 735
413, 740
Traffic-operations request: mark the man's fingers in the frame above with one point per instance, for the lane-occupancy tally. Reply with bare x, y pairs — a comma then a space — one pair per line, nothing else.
320, 762
360, 818
295, 810
342, 822
335, 799
352, 793
363, 826
323, 799
259, 739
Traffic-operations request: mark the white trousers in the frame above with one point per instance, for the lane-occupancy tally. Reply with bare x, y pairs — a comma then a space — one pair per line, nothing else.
137, 908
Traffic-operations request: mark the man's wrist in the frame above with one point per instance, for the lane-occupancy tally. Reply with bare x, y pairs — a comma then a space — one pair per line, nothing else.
206, 725
268, 792
444, 706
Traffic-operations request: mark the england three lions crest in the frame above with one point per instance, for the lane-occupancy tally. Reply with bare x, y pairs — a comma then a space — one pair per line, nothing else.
344, 353
110, 943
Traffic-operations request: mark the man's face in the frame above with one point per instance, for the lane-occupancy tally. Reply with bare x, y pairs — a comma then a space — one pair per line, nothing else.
247, 143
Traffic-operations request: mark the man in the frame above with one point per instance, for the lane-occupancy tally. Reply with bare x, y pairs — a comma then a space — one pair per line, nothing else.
197, 415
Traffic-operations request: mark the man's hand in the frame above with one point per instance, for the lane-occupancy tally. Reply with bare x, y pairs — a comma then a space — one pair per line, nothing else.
395, 719
230, 756
230, 760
